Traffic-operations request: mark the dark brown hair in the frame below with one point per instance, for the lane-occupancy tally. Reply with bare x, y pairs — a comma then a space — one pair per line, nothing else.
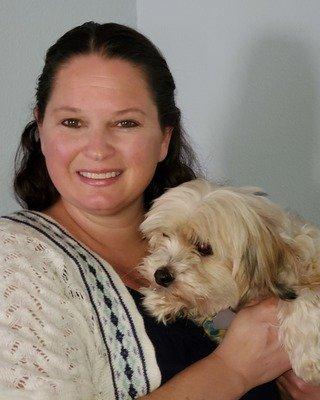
32, 185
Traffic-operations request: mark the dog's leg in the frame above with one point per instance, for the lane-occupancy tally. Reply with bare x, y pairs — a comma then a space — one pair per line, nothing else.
299, 332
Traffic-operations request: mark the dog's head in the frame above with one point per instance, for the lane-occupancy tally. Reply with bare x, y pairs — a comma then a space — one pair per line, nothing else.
212, 248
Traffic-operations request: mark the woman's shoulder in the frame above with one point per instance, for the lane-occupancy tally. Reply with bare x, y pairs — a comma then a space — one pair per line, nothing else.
26, 246
31, 254
20, 222
34, 242
22, 229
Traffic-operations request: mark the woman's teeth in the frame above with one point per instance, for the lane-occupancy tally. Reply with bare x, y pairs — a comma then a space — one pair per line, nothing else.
104, 175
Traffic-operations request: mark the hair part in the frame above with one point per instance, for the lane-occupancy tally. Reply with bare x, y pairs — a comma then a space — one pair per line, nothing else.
33, 187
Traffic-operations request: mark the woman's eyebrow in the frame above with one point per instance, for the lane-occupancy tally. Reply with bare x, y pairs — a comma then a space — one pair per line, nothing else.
78, 110
66, 108
132, 109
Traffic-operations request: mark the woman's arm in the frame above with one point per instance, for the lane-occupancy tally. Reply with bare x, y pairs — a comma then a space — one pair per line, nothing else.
297, 388
208, 379
249, 355
42, 355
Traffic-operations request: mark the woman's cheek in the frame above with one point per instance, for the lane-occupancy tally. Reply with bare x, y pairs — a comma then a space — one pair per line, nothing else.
146, 151
60, 150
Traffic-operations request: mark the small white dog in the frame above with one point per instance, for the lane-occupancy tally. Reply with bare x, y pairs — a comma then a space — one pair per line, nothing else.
214, 247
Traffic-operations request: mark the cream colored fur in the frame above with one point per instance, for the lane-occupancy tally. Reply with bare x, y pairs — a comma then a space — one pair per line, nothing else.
258, 251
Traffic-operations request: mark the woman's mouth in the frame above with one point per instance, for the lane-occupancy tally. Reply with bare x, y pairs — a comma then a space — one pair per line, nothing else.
99, 178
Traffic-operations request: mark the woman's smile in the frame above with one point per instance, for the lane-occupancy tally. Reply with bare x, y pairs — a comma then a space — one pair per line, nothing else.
100, 178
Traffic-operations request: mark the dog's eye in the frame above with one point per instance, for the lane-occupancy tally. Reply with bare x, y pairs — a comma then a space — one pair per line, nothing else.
204, 249
165, 235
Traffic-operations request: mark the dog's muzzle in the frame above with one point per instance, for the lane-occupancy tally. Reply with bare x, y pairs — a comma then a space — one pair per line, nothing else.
163, 276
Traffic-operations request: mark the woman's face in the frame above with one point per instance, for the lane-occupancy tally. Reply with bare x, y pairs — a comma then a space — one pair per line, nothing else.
100, 135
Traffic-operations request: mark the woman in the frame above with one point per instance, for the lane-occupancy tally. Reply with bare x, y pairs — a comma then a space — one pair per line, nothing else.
106, 141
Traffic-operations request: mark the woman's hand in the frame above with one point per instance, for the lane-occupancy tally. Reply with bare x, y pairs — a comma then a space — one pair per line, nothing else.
249, 355
297, 388
251, 347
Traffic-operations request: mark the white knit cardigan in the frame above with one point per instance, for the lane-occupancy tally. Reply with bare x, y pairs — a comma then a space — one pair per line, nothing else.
69, 328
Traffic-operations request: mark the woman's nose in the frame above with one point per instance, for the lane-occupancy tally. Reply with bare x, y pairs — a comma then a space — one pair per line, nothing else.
99, 146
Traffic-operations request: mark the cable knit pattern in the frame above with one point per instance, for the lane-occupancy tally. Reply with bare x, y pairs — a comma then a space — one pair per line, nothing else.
69, 328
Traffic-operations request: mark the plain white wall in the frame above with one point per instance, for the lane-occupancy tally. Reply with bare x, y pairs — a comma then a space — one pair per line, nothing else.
248, 74
27, 29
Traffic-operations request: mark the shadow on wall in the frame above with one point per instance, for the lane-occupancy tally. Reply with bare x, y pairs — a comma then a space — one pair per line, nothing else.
272, 140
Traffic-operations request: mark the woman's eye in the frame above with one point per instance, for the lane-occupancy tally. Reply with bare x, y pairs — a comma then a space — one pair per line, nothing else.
204, 249
128, 123
71, 123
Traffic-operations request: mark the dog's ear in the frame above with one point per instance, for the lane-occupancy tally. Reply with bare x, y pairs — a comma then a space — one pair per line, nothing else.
261, 267
265, 256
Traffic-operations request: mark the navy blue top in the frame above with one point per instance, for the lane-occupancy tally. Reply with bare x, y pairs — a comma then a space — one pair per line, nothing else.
182, 343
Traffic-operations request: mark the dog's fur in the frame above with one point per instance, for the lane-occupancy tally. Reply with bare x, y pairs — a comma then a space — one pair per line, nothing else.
258, 250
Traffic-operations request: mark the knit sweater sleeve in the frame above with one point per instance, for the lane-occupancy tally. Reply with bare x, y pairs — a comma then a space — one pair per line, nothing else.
45, 349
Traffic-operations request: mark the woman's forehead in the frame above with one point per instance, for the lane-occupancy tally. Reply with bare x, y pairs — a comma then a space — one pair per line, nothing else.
93, 78
101, 72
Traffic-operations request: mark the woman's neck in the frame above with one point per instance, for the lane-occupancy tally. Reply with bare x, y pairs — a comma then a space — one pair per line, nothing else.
117, 228
116, 238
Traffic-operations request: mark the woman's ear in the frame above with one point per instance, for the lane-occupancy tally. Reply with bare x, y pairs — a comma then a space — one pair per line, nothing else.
36, 115
37, 118
38, 122
165, 142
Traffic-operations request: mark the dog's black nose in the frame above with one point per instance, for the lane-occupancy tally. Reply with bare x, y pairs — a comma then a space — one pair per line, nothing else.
163, 276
